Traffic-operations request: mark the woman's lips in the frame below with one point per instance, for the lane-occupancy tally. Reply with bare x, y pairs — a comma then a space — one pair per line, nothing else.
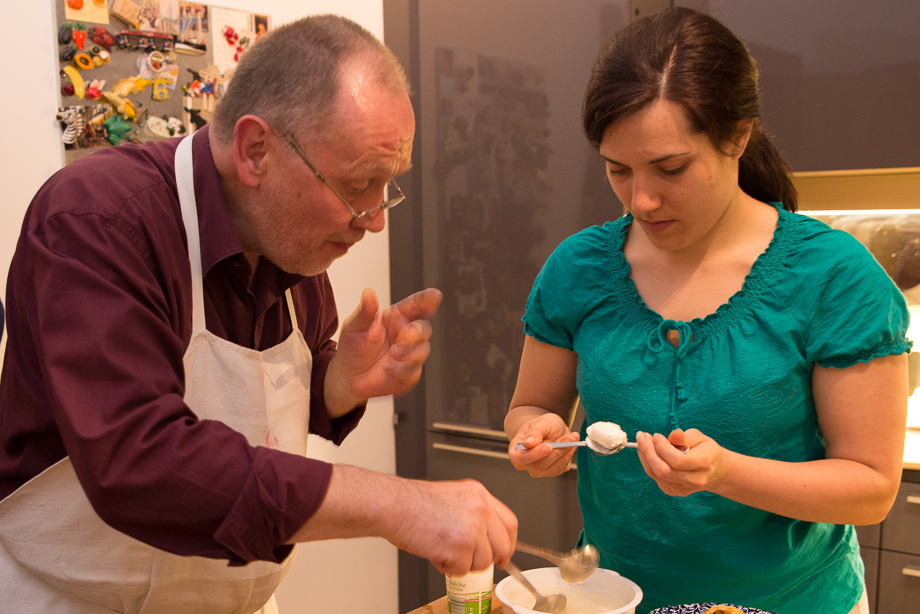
656, 227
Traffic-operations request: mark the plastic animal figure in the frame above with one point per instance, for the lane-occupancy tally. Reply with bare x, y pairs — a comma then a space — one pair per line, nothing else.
72, 118
118, 128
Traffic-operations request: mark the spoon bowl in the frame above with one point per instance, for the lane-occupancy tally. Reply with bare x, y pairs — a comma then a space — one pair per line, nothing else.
574, 566
553, 603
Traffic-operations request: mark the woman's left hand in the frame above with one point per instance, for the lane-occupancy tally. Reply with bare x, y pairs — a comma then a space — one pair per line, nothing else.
680, 473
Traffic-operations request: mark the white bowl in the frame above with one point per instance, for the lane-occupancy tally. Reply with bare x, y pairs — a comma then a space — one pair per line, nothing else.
602, 581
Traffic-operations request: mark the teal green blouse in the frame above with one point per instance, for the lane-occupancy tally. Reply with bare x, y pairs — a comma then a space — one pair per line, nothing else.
815, 296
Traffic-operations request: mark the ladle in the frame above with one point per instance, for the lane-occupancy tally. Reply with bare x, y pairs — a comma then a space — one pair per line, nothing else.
574, 566
553, 603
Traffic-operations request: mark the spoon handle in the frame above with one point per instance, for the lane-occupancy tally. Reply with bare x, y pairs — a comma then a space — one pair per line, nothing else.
512, 569
546, 553
557, 444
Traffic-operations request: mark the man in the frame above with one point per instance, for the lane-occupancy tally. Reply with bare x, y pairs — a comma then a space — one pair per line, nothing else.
154, 395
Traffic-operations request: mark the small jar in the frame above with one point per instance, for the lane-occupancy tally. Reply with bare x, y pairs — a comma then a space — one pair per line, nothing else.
470, 594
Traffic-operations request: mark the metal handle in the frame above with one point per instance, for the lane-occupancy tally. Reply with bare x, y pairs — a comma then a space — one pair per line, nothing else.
545, 553
473, 451
911, 570
512, 569
556, 444
464, 429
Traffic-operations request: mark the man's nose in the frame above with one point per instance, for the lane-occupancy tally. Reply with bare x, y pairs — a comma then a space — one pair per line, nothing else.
373, 221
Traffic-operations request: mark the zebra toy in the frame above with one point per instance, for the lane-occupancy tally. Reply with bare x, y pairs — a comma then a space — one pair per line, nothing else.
72, 118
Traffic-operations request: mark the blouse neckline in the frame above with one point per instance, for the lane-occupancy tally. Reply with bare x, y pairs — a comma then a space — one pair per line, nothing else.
758, 280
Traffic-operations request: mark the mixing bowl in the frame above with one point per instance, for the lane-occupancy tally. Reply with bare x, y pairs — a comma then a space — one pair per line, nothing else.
603, 582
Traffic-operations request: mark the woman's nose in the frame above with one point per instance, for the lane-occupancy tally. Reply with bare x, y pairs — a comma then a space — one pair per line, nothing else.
643, 198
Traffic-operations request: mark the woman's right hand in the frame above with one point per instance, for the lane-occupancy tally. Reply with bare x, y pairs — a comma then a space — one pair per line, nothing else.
542, 460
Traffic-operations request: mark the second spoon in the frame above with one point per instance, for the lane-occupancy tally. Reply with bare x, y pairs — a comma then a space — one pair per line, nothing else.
574, 566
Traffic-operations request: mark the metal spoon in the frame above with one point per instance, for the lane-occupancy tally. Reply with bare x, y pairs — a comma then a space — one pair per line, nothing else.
590, 443
553, 603
596, 447
574, 566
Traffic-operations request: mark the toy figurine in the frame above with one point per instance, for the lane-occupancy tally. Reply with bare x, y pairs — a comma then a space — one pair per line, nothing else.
71, 119
118, 128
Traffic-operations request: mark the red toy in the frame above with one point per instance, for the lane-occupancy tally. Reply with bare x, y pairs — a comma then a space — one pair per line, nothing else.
102, 38
79, 34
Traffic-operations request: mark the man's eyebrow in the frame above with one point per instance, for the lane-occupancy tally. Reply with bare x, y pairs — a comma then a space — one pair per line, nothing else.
373, 167
655, 161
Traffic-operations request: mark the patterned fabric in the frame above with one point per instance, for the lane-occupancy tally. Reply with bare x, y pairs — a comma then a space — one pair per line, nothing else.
744, 378
699, 608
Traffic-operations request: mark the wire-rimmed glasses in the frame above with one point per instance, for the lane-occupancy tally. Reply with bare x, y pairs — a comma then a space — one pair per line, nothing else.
387, 204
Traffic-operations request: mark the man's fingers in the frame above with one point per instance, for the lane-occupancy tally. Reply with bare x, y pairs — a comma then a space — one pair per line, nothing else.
422, 304
364, 314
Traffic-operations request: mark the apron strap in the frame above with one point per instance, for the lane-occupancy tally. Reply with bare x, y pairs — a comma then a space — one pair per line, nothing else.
290, 304
185, 183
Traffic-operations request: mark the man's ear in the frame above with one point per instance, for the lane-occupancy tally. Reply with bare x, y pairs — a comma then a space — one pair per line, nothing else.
742, 136
251, 140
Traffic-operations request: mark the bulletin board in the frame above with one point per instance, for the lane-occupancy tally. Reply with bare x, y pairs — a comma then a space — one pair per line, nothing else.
142, 70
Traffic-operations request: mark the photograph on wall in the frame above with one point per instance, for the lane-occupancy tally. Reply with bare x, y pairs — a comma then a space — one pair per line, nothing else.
260, 25
193, 23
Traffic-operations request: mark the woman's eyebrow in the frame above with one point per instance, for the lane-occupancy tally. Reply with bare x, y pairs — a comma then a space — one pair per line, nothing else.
655, 161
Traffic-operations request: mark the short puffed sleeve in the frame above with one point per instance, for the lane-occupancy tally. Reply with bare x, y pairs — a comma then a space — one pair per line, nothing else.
567, 286
859, 313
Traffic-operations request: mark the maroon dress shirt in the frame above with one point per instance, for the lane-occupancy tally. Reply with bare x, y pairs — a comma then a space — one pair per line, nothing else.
99, 314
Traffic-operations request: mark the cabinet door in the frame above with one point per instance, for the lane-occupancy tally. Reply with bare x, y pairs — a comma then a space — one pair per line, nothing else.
869, 536
840, 78
898, 583
901, 530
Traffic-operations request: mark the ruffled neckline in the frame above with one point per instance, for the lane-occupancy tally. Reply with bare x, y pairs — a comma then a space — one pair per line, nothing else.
764, 272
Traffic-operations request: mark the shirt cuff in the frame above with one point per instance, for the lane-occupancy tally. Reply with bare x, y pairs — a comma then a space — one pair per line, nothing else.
334, 430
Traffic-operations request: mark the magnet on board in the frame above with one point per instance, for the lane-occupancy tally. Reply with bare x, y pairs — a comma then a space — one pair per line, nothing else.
65, 34
83, 61
67, 53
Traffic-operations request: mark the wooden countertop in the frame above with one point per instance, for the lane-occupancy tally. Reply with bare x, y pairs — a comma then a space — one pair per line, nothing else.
440, 607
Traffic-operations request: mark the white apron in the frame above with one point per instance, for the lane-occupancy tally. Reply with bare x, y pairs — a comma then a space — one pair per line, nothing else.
58, 556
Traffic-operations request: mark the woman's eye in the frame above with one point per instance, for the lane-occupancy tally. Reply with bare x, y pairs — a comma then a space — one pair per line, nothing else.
674, 171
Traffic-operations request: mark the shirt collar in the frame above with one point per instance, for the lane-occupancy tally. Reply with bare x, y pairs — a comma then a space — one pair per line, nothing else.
219, 239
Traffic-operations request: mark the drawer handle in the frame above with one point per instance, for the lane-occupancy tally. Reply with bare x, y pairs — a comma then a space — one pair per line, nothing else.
911, 570
913, 498
473, 451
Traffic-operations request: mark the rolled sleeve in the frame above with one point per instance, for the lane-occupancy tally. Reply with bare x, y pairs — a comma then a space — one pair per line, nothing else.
270, 506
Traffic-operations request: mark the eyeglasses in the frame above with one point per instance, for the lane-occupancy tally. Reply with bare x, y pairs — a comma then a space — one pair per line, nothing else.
387, 204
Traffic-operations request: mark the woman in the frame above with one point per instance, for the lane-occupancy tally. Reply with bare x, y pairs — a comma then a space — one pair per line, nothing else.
716, 318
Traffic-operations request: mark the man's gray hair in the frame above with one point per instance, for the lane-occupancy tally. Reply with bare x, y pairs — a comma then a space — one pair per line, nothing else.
291, 76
